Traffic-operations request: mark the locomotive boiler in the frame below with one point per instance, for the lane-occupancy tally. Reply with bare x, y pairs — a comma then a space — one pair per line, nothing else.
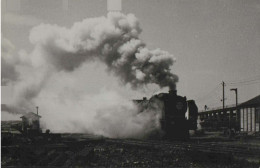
178, 115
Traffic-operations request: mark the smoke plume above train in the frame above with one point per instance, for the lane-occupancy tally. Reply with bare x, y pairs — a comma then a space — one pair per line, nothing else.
112, 40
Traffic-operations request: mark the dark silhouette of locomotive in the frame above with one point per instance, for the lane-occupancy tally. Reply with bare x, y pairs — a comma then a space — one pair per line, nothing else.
175, 121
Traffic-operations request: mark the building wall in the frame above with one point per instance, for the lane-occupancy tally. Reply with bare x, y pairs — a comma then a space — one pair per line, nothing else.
249, 119
30, 123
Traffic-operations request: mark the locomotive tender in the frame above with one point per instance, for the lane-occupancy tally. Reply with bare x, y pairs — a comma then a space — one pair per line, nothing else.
175, 122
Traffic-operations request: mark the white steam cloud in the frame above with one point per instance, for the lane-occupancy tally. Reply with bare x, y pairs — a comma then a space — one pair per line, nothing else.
8, 61
112, 40
61, 52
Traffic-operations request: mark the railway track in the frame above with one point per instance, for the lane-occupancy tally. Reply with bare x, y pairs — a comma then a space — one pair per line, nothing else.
238, 150
233, 148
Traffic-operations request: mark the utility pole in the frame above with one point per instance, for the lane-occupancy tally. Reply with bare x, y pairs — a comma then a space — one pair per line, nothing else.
223, 99
37, 109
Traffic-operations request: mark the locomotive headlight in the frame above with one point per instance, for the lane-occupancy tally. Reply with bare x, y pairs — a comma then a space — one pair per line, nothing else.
179, 105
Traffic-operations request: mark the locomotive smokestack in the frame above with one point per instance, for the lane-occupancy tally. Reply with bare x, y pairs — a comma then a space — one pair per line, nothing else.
172, 89
173, 92
37, 110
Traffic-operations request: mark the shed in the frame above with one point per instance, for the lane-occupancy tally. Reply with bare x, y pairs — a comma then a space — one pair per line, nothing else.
31, 122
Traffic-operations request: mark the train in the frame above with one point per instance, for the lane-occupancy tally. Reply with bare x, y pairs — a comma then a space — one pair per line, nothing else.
178, 115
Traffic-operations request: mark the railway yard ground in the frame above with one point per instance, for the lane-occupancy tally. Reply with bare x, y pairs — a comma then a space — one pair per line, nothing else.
83, 150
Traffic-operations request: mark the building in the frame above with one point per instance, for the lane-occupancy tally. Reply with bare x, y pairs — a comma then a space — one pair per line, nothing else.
31, 123
244, 118
250, 115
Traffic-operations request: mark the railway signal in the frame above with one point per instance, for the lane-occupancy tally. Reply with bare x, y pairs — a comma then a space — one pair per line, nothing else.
235, 89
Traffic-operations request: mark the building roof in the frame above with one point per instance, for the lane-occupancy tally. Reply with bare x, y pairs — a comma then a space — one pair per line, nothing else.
31, 115
253, 101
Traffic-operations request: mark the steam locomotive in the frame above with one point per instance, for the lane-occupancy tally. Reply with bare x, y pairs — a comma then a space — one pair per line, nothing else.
178, 115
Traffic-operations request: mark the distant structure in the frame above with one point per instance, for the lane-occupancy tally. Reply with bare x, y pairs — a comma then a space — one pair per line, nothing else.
243, 118
205, 107
31, 123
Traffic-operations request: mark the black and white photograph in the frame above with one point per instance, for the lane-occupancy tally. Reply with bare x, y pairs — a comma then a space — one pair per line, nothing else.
130, 83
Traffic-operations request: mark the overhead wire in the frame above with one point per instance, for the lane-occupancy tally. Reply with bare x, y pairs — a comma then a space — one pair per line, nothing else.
243, 84
209, 93
247, 81
256, 78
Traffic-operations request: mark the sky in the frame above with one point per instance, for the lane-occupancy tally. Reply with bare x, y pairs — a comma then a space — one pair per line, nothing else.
212, 40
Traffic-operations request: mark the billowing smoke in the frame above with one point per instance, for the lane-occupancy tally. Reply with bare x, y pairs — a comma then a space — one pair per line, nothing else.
106, 113
112, 40
8, 62
59, 51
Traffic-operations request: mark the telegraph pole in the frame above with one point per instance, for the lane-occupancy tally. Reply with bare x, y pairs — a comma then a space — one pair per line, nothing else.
223, 99
37, 109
